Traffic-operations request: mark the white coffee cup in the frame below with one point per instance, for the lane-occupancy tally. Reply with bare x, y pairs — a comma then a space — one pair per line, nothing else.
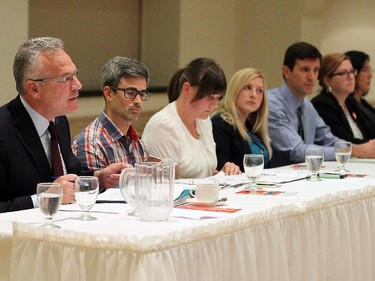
206, 192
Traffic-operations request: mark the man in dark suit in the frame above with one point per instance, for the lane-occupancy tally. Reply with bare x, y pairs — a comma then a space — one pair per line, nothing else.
47, 83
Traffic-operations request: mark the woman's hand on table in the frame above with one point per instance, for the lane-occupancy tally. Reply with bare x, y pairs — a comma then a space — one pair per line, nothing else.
230, 168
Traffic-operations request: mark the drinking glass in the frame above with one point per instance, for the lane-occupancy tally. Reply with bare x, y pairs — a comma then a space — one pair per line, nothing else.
86, 190
314, 158
49, 197
253, 165
343, 151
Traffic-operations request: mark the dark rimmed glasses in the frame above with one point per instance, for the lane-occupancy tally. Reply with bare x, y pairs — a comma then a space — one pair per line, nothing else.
131, 93
343, 74
67, 78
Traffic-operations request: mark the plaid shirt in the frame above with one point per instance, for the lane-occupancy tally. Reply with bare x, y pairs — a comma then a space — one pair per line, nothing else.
102, 143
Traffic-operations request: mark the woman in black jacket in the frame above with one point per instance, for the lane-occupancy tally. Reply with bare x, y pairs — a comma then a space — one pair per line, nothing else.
337, 78
366, 116
240, 125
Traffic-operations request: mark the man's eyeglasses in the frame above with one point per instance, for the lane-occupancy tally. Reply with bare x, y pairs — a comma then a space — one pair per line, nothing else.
132, 93
345, 73
66, 79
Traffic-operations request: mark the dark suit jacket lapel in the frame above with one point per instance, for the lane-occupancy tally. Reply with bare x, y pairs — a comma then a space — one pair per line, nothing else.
28, 136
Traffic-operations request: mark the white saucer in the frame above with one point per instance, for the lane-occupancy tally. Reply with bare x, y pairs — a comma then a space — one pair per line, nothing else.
193, 201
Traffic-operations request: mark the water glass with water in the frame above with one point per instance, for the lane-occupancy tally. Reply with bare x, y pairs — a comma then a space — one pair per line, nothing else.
253, 165
314, 158
49, 195
343, 151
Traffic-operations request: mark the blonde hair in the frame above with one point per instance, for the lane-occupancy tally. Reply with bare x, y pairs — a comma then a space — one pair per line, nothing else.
231, 114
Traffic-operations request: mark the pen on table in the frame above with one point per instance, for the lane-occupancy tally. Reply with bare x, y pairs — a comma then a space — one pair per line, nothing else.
298, 179
225, 185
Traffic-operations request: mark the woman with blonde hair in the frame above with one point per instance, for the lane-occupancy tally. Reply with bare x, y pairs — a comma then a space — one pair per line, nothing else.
240, 125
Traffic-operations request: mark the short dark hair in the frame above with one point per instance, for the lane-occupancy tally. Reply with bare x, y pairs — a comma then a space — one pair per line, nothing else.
357, 59
300, 50
122, 67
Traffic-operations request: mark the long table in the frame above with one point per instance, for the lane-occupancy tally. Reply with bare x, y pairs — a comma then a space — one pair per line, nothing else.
313, 231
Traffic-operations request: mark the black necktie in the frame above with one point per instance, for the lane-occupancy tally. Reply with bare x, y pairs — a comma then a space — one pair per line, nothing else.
57, 167
301, 131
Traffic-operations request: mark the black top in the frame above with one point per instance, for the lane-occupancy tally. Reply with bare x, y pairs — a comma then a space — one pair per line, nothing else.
330, 110
366, 115
230, 146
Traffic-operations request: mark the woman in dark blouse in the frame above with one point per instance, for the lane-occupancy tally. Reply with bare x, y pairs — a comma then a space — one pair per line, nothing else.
240, 125
366, 116
337, 78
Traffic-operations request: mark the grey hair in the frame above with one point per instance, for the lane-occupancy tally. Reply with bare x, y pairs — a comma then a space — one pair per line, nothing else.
122, 67
27, 60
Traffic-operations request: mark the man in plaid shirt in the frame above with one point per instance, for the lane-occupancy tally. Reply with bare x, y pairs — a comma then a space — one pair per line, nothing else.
110, 138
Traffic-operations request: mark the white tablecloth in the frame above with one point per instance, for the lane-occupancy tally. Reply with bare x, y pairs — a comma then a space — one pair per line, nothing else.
319, 231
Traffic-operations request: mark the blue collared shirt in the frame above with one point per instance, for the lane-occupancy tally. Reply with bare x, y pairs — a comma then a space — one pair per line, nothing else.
288, 146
